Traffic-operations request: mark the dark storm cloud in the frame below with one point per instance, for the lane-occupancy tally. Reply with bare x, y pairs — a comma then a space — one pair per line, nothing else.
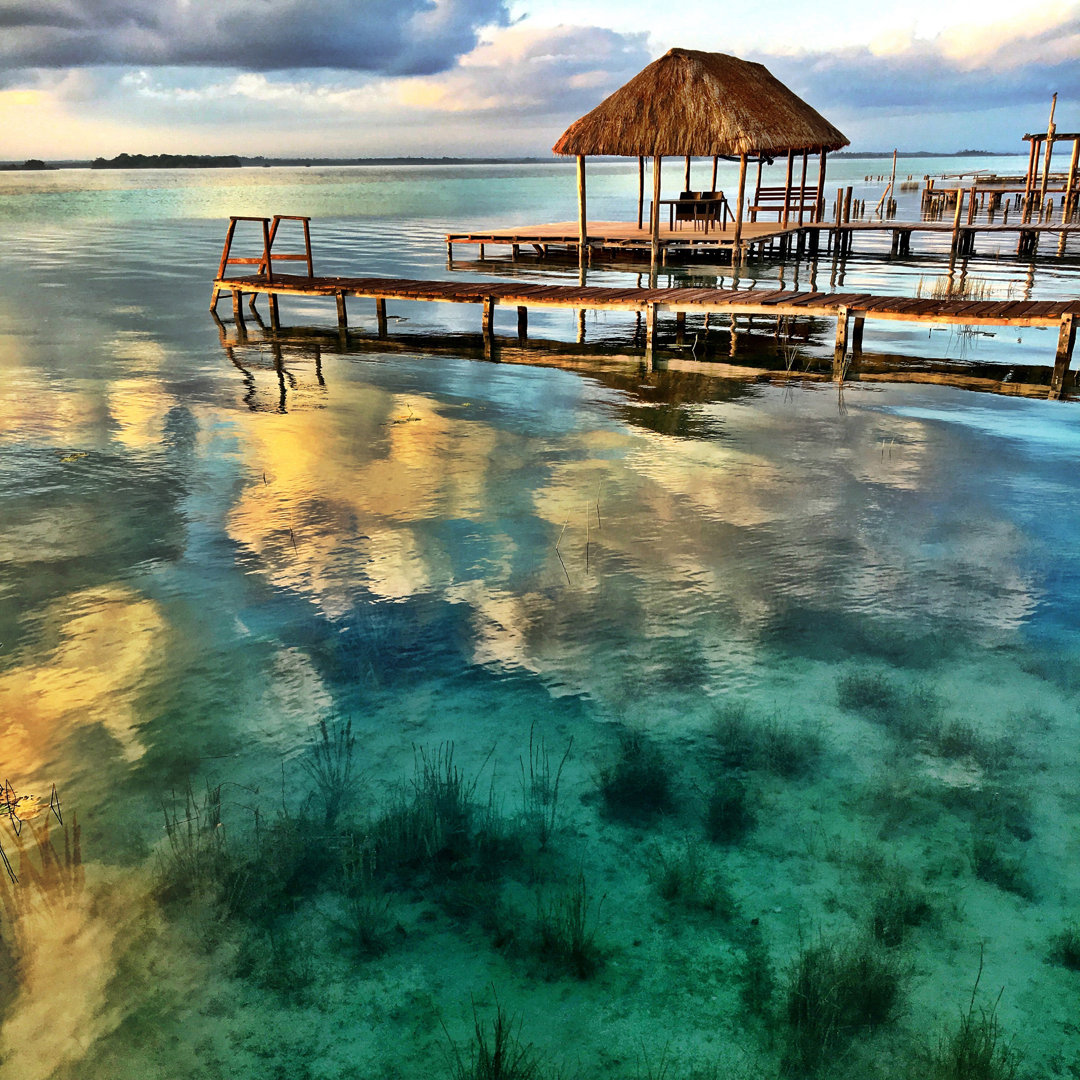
397, 37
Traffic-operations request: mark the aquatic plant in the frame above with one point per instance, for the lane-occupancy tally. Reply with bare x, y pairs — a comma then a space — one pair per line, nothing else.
976, 1049
836, 989
997, 867
540, 788
757, 980
992, 809
566, 930
329, 764
498, 1055
897, 906
745, 740
429, 820
196, 860
684, 876
729, 810
906, 713
959, 739
364, 922
946, 287
638, 784
1065, 946
280, 960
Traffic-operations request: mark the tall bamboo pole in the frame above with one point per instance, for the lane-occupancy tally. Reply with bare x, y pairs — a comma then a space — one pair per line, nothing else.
686, 177
714, 163
1049, 151
736, 251
582, 219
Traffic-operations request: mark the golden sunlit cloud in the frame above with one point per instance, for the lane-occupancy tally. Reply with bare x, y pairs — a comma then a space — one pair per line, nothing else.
108, 641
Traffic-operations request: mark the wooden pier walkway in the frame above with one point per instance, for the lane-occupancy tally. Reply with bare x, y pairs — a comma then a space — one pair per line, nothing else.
606, 236
850, 310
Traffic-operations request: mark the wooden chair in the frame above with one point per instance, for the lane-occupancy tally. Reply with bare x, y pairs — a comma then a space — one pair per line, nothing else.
688, 212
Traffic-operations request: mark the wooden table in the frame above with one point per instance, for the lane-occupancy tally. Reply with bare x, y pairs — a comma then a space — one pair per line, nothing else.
709, 206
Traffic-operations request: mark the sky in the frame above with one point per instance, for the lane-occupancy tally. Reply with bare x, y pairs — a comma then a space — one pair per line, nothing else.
368, 78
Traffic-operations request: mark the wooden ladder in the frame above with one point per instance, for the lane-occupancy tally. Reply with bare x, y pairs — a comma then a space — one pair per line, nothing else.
264, 263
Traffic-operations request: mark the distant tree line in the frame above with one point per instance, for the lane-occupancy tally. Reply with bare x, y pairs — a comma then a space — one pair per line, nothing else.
167, 161
30, 165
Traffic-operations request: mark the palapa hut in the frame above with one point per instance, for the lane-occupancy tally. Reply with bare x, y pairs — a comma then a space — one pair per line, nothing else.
700, 104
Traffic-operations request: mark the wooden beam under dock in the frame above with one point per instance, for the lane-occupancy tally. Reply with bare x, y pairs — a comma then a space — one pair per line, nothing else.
747, 302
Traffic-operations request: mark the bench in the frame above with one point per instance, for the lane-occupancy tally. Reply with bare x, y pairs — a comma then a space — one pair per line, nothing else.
768, 200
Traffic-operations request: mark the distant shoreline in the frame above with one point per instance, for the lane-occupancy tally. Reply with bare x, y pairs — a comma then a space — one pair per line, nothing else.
203, 161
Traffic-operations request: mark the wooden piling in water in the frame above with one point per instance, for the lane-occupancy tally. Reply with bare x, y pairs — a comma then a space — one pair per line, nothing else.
840, 350
1063, 357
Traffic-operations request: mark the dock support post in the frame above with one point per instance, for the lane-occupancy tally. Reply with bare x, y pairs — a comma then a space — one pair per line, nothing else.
856, 335
238, 307
840, 351
449, 251
272, 304
489, 318
380, 314
680, 327
342, 313
581, 326
956, 218
523, 323
650, 329
1066, 341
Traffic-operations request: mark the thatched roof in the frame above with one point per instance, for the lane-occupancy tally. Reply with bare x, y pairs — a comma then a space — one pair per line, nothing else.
701, 104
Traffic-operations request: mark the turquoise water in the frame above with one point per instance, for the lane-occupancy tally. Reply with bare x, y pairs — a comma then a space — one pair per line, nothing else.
810, 655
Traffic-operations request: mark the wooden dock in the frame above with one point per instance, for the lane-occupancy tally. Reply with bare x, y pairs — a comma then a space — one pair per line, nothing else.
609, 236
850, 310
621, 236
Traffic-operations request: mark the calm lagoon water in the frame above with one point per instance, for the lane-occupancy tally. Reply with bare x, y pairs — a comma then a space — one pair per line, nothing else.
810, 657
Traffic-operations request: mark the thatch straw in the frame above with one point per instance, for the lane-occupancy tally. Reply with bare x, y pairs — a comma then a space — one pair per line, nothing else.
701, 104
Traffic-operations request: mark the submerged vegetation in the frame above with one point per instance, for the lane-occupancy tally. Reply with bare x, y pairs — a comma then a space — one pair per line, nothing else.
837, 989
339, 877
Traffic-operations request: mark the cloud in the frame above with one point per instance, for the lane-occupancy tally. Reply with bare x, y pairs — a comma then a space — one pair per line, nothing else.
397, 37
518, 71
998, 65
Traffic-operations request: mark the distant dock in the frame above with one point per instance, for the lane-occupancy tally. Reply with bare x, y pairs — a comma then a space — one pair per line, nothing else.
606, 237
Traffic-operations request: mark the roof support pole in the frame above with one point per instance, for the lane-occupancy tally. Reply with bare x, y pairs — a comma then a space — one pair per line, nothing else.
582, 219
654, 222
714, 162
736, 249
819, 213
802, 186
787, 186
686, 177
640, 190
